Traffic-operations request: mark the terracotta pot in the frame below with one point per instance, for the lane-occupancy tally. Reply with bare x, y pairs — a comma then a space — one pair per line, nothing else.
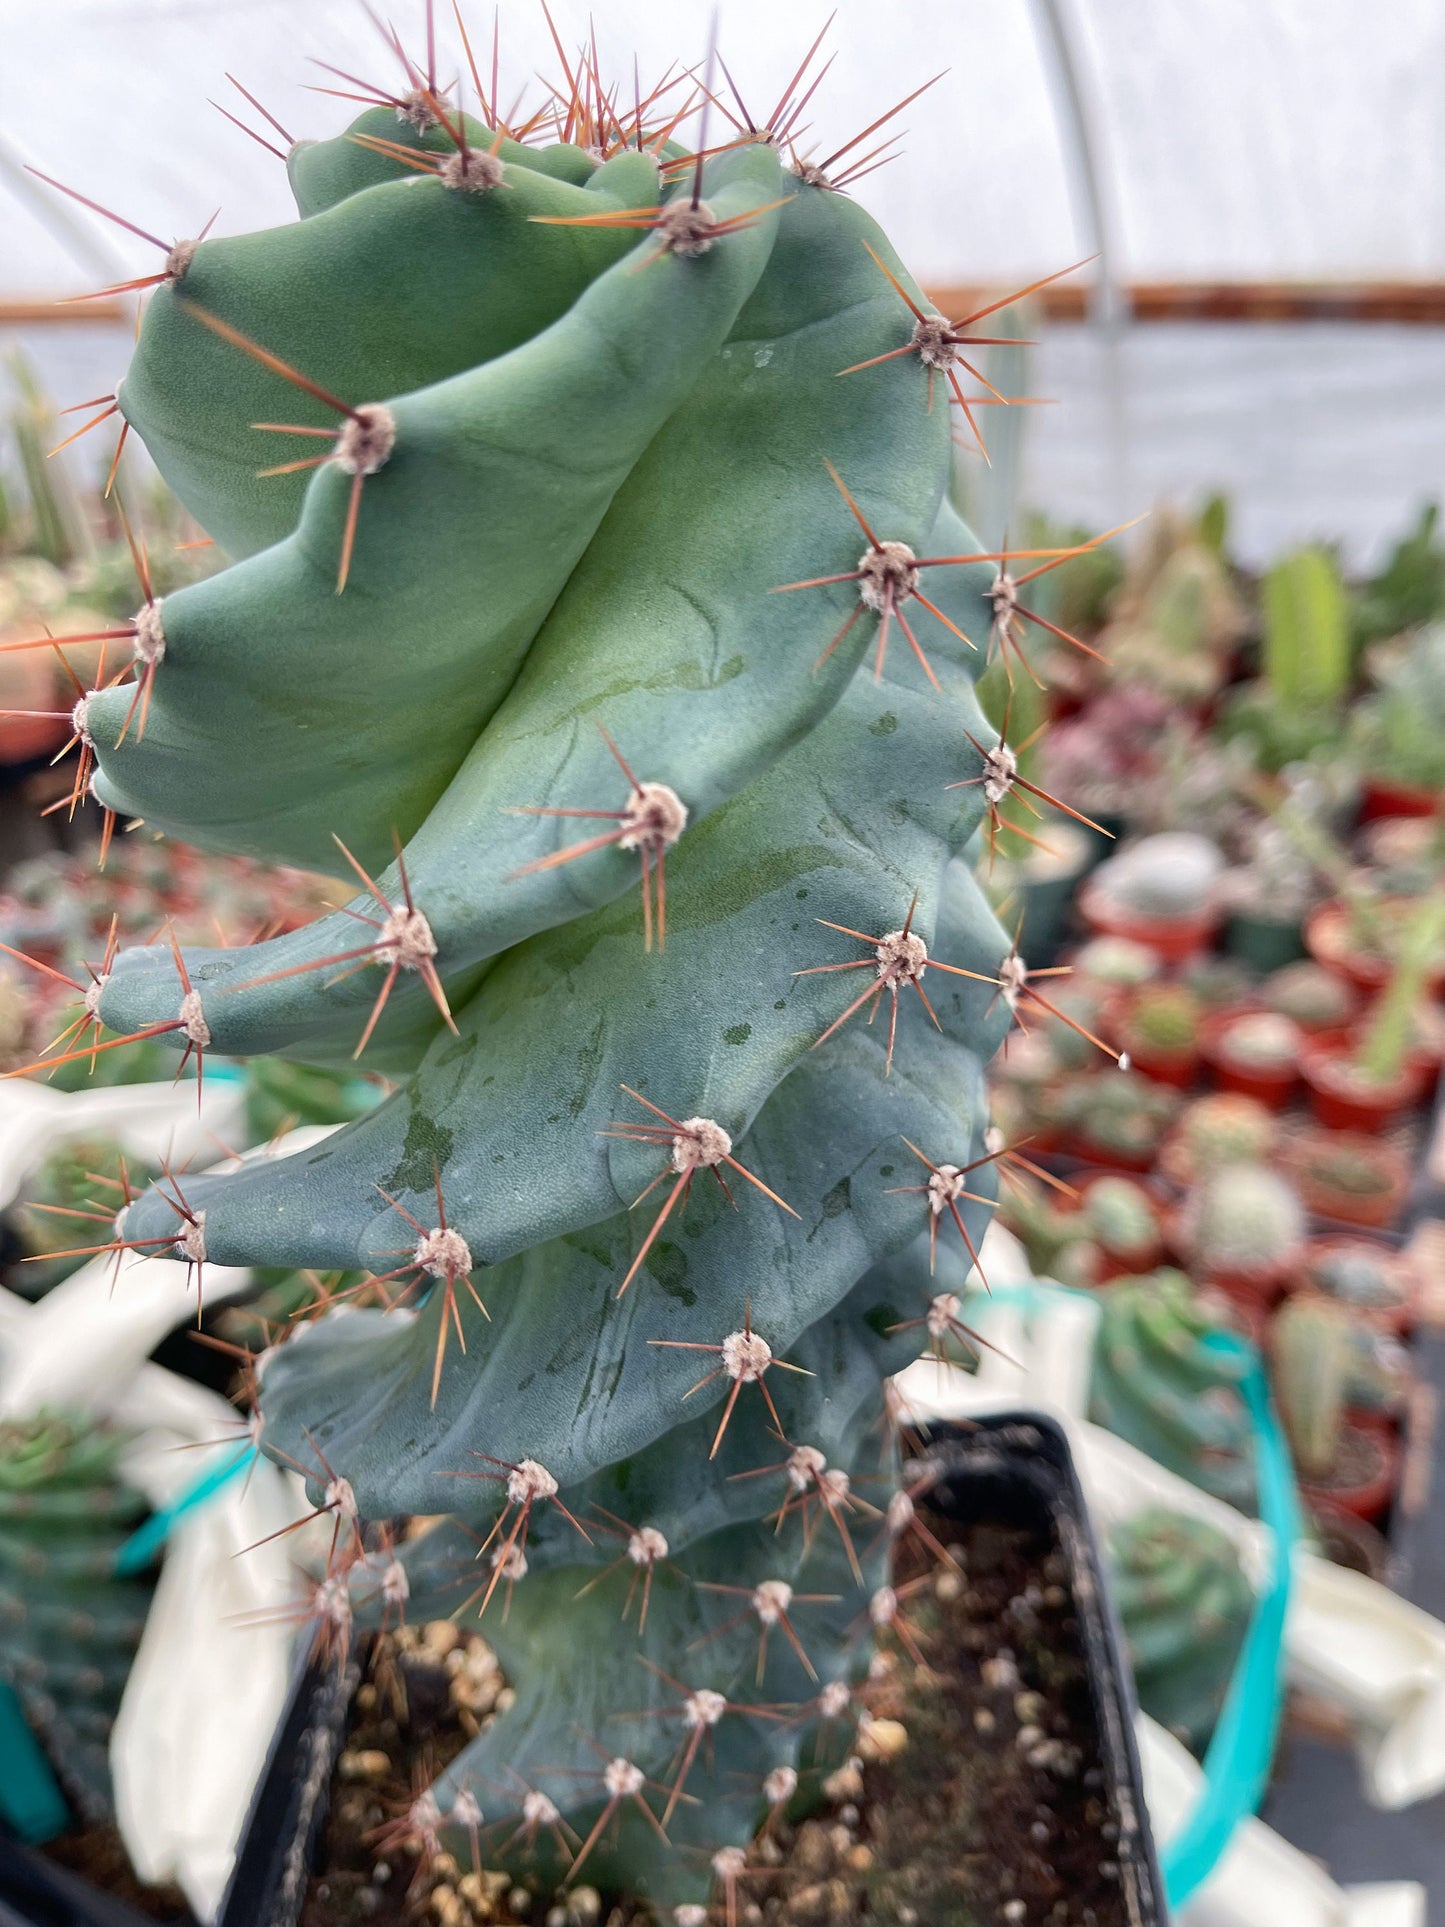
1175, 939
1397, 1317
1178, 1068
1343, 1104
1375, 1209
1328, 939
28, 682
1270, 1085
1106, 1157
1380, 797
1363, 1482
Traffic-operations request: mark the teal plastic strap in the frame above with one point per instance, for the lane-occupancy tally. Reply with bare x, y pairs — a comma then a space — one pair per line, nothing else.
30, 1798
1239, 1756
142, 1546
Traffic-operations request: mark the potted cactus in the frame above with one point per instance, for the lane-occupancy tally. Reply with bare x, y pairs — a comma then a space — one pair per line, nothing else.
1243, 1230
1158, 1384
1364, 1083
1115, 963
1375, 1282
1360, 936
1111, 1117
1158, 1028
1121, 1217
1162, 892
570, 417
1399, 733
1310, 996
1253, 1052
1222, 1128
1184, 1604
1349, 1176
69, 1625
1057, 1237
1318, 1365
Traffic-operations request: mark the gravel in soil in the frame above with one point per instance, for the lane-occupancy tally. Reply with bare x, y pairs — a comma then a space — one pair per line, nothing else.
974, 1795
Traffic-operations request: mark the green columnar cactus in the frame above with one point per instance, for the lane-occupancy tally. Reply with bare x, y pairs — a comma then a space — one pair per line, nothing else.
577, 409
1313, 1348
1161, 1387
1326, 1359
68, 1627
1185, 1603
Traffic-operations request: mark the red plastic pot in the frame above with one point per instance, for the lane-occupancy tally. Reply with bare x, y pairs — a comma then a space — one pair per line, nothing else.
1380, 797
1270, 1085
1177, 1068
1174, 939
1328, 940
1106, 1157
1374, 1210
1368, 1494
1342, 1104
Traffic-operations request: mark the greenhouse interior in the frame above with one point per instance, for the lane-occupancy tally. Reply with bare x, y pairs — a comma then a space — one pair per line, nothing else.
923, 1407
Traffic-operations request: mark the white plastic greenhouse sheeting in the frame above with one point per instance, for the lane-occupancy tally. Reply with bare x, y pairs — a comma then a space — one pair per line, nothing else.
1269, 139
1247, 138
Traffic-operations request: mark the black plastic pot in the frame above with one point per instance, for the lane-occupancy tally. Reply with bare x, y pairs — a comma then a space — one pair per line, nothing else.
288, 1810
1262, 943
34, 1892
1015, 1469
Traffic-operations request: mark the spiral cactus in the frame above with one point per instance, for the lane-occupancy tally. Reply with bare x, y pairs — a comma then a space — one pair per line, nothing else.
1158, 1384
1184, 1602
512, 638
68, 1626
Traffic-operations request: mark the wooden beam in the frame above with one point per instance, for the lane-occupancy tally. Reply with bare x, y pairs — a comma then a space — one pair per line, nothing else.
1416, 303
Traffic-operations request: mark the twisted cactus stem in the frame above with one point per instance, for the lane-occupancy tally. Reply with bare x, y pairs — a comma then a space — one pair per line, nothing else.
544, 532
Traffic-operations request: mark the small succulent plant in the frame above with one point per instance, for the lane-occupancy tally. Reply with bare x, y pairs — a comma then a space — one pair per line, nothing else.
1244, 1219
1310, 996
1221, 1129
77, 1185
1184, 1602
1325, 1360
1365, 1277
1261, 1040
1117, 962
68, 1626
1160, 1386
1162, 878
1121, 1216
1162, 1018
1057, 1240
1176, 618
1399, 733
1117, 1115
